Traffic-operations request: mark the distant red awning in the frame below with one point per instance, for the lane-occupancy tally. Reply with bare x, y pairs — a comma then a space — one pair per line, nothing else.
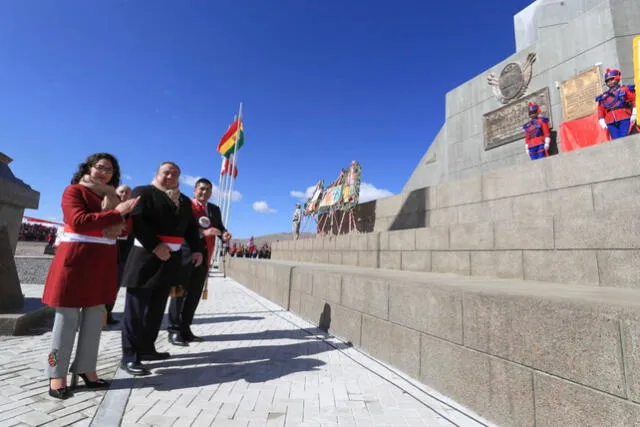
43, 221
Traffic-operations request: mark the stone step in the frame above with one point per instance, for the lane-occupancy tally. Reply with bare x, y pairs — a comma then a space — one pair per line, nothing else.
513, 351
603, 177
595, 249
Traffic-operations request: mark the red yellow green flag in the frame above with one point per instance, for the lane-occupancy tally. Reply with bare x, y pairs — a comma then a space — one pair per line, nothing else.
228, 141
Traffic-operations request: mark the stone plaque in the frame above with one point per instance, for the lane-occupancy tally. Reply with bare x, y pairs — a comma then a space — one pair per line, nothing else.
504, 125
579, 93
511, 80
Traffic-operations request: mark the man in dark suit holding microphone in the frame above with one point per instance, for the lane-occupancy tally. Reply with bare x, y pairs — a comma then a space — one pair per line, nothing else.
183, 308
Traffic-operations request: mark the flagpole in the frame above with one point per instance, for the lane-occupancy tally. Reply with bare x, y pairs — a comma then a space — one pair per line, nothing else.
224, 188
220, 180
233, 165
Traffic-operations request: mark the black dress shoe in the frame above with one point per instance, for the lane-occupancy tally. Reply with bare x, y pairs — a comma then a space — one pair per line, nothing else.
111, 320
192, 338
60, 393
135, 368
176, 339
156, 355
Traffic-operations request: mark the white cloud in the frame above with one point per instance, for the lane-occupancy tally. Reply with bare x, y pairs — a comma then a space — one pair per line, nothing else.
369, 192
262, 207
127, 177
190, 181
235, 195
303, 196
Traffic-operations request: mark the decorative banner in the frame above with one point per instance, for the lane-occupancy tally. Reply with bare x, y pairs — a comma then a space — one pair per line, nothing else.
311, 207
351, 187
636, 62
333, 195
341, 194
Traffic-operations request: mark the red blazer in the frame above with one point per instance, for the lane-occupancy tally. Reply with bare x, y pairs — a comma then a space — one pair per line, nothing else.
83, 274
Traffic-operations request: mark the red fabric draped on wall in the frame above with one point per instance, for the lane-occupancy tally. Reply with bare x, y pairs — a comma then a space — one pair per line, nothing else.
581, 133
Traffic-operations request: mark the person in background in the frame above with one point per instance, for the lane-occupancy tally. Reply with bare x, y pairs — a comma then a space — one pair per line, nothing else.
123, 243
617, 111
83, 274
182, 308
296, 220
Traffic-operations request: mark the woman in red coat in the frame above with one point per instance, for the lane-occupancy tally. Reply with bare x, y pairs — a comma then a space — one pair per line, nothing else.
83, 273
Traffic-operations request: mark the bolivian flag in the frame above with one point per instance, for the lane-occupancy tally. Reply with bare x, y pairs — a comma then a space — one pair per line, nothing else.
227, 142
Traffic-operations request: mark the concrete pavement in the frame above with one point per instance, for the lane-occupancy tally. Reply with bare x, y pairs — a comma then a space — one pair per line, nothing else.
258, 366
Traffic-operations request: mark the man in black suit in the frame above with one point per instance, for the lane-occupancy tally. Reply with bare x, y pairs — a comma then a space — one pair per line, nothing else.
162, 222
183, 308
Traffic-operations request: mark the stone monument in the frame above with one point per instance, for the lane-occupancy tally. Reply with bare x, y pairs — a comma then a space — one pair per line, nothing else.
15, 196
559, 48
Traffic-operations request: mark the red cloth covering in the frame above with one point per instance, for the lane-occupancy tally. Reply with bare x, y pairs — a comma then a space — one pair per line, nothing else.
581, 133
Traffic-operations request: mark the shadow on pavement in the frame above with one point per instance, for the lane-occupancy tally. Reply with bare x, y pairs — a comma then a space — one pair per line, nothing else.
221, 319
253, 364
295, 334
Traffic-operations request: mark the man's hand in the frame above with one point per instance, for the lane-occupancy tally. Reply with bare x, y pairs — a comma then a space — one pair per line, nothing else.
196, 258
226, 236
211, 231
162, 251
603, 124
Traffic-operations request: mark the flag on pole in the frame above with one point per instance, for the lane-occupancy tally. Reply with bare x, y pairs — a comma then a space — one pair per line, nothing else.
228, 141
227, 166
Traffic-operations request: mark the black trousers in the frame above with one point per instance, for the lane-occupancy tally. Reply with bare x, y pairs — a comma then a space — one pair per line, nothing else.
124, 246
143, 312
183, 309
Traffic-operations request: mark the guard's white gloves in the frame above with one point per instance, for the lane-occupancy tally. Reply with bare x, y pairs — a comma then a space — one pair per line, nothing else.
634, 115
603, 124
547, 141
526, 149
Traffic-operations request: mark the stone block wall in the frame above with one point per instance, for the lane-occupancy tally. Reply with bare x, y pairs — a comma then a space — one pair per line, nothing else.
516, 354
591, 32
570, 219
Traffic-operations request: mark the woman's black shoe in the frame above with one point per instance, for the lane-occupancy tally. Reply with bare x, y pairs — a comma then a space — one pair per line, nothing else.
99, 383
60, 393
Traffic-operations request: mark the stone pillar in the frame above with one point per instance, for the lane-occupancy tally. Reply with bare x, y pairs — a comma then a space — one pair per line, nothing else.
15, 197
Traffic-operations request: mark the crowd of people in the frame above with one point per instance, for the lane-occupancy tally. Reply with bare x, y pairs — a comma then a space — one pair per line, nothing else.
153, 240
250, 250
30, 232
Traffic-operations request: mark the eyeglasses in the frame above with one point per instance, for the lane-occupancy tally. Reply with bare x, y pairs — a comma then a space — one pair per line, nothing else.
103, 169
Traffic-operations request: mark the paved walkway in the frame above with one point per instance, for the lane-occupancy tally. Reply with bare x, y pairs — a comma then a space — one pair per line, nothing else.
259, 366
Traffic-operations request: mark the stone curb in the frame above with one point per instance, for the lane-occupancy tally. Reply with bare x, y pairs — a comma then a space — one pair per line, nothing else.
111, 409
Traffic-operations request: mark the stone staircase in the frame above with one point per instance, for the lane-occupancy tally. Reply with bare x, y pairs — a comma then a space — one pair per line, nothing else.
514, 293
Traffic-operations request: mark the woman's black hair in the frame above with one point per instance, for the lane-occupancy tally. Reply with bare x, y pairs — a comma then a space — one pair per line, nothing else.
83, 168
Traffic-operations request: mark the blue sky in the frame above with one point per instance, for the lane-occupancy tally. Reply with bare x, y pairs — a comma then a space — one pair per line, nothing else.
323, 83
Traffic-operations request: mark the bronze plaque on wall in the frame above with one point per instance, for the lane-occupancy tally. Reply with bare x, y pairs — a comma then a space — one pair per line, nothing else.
578, 94
504, 125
